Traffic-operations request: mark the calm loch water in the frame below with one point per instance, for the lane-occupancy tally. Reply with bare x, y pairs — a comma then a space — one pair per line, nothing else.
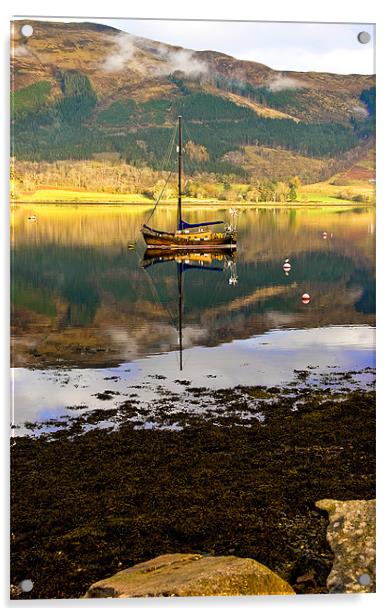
88, 317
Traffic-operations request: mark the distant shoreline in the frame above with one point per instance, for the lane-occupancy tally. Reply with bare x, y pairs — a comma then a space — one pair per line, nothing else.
248, 204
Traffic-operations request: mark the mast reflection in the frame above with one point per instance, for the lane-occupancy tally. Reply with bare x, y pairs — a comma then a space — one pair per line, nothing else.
212, 261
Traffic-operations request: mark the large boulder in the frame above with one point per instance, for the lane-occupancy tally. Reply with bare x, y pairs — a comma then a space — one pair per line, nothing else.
352, 536
183, 575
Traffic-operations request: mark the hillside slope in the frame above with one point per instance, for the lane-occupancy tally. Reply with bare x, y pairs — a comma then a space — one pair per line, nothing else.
83, 89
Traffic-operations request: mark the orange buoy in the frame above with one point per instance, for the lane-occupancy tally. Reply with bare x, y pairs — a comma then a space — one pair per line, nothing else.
305, 298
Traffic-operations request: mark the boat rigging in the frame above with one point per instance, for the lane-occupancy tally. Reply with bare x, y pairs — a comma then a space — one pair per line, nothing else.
189, 236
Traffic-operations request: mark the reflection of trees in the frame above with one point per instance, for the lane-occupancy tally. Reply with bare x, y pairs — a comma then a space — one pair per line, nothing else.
65, 273
365, 279
84, 278
83, 300
367, 302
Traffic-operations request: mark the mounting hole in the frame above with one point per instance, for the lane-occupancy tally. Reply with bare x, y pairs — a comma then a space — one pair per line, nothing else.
26, 585
364, 579
27, 30
364, 37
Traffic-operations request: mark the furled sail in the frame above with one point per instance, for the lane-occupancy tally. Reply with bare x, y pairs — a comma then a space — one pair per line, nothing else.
187, 225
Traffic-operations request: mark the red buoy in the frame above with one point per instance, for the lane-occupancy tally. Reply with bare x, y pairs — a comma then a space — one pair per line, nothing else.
305, 298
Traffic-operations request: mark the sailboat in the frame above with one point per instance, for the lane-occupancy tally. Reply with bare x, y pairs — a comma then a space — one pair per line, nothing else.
189, 236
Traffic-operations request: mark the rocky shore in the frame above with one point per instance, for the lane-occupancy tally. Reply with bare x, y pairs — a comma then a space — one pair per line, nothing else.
88, 502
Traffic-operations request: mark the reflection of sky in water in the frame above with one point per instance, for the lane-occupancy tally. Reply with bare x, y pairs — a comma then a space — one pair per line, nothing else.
269, 359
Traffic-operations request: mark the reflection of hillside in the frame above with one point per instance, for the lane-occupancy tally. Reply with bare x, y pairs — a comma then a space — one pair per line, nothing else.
82, 226
83, 304
120, 334
256, 297
327, 308
292, 232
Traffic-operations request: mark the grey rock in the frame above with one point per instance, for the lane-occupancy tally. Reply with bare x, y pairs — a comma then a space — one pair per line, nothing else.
352, 536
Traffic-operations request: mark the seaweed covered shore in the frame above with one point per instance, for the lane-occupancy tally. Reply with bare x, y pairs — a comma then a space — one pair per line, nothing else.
100, 494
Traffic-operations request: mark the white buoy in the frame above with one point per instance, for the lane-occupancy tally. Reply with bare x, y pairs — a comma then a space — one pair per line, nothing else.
325, 235
32, 217
305, 298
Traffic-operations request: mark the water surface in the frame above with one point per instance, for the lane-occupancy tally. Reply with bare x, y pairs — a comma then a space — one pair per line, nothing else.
87, 317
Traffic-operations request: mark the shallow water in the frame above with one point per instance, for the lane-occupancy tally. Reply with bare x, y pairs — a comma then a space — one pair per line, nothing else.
88, 318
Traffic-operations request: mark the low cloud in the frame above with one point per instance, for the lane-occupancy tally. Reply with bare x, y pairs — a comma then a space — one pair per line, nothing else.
181, 60
360, 112
284, 83
167, 60
171, 59
121, 54
20, 50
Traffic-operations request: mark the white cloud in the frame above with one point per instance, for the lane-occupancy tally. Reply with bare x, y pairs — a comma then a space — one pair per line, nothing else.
122, 53
182, 60
169, 60
283, 83
20, 50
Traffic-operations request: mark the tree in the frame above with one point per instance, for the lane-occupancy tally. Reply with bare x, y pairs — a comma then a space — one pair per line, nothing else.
196, 152
281, 191
252, 194
169, 192
292, 193
294, 185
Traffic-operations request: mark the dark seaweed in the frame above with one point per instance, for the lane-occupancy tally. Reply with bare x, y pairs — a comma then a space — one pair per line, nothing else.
86, 504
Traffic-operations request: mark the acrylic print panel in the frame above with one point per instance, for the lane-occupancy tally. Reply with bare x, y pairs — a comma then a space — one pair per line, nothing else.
193, 308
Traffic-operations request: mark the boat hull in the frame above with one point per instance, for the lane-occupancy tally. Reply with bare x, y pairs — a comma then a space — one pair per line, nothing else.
181, 241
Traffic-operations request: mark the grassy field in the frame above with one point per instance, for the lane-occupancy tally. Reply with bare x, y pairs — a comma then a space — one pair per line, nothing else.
327, 192
58, 195
315, 194
356, 184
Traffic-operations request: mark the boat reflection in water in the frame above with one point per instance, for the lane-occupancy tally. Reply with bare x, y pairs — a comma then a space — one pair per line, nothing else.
215, 261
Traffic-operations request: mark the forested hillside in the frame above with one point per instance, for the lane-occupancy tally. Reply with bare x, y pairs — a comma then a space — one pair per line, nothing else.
79, 105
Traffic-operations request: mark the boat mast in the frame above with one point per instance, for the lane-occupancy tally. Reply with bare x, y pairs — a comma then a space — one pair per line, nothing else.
180, 308
179, 150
